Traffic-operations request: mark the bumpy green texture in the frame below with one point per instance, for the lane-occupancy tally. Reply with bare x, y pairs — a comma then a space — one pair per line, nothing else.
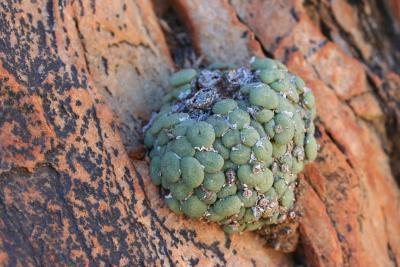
228, 143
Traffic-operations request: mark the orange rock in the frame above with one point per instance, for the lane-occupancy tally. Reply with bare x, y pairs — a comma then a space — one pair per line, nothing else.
318, 235
77, 78
226, 39
69, 193
367, 107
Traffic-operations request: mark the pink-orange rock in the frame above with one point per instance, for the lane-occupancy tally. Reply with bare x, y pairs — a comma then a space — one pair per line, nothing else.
226, 39
77, 77
69, 193
318, 235
367, 107
335, 77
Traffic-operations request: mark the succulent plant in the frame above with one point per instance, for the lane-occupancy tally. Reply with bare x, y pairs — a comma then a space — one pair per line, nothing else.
228, 143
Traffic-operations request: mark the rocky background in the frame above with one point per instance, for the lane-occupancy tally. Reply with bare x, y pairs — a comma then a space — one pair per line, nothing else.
79, 78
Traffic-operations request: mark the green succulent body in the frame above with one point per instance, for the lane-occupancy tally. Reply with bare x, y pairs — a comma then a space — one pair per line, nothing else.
228, 143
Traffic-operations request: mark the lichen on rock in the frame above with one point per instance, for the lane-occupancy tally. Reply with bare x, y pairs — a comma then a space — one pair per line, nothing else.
228, 143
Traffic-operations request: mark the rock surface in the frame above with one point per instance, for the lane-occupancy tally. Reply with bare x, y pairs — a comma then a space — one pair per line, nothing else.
77, 78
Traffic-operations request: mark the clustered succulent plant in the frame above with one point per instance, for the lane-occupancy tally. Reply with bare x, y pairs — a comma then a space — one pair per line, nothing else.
228, 143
